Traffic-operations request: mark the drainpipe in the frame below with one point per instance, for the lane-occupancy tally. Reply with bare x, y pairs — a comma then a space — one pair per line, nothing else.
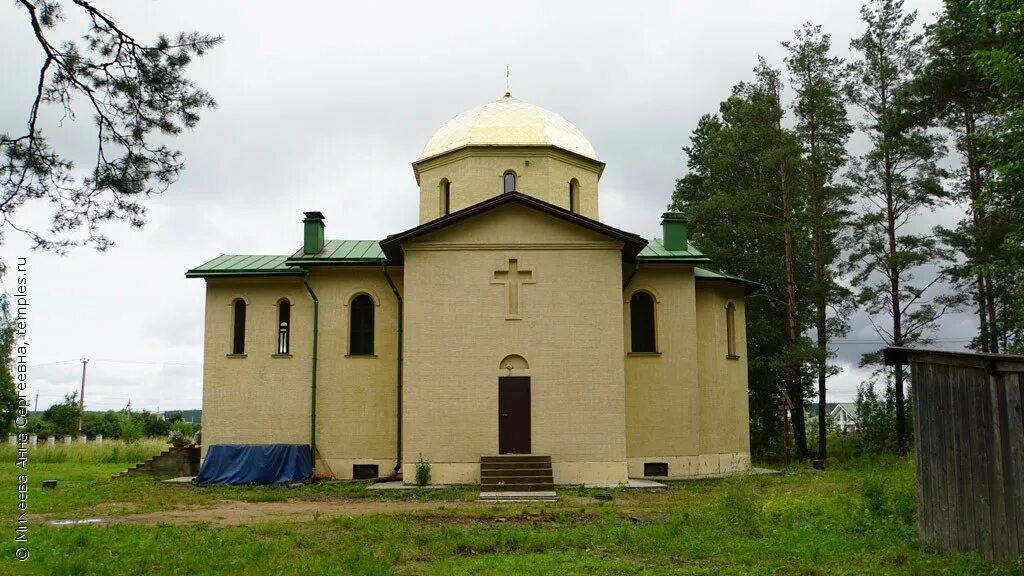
401, 317
636, 268
316, 331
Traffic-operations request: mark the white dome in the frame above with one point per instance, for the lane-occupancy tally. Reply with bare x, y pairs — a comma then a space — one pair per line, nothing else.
508, 122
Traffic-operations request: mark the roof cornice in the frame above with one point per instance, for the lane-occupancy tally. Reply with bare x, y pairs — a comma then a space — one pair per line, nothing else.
499, 150
392, 245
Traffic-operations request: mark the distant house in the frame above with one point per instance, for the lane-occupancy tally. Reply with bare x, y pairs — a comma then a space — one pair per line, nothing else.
842, 416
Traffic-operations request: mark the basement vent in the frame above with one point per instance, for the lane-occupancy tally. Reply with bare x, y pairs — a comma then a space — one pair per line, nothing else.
364, 471
655, 468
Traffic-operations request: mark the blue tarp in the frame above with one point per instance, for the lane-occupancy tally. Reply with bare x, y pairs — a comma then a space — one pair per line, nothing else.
255, 464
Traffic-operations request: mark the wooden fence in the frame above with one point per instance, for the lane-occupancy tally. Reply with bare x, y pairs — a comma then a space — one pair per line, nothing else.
969, 435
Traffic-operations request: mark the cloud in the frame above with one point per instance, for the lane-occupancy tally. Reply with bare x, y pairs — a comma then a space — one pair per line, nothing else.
324, 108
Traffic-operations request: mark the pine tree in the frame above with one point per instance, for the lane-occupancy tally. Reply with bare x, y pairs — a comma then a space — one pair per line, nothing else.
823, 129
894, 261
783, 153
1003, 65
952, 92
136, 93
743, 194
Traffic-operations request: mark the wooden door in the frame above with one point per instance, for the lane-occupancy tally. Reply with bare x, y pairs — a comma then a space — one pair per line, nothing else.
514, 415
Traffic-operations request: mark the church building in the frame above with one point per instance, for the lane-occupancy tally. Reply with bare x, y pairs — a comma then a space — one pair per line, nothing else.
511, 320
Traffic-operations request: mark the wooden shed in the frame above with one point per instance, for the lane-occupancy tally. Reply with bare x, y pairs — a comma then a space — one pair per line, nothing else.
969, 433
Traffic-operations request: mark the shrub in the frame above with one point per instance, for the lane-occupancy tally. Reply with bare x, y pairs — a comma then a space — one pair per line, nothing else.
186, 429
63, 417
422, 472
105, 423
875, 501
130, 429
177, 437
152, 425
41, 427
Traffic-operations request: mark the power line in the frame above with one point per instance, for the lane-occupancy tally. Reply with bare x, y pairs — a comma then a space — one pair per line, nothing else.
113, 361
148, 362
54, 363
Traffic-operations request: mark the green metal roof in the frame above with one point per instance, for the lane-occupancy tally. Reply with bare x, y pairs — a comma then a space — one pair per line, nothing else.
712, 275
369, 252
241, 265
704, 274
352, 251
334, 252
656, 251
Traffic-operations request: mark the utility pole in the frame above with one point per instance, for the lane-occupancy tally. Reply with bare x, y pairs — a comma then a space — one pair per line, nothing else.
81, 398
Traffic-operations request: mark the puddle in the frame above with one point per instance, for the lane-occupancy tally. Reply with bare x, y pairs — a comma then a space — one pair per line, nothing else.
71, 522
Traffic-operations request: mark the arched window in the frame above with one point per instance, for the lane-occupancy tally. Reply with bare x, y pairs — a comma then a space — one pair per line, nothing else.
574, 195
238, 334
730, 330
641, 322
361, 326
446, 197
284, 324
510, 181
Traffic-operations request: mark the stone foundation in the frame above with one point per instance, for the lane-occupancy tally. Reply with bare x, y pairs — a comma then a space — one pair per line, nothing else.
694, 465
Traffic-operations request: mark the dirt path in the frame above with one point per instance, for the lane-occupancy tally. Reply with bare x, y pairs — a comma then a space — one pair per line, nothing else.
234, 513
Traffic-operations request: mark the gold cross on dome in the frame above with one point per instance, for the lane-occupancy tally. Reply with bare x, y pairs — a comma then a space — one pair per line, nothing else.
512, 278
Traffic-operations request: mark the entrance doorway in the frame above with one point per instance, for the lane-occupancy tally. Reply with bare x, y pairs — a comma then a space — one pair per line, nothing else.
513, 414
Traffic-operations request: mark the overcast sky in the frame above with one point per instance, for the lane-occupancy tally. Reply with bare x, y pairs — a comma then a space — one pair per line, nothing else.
324, 108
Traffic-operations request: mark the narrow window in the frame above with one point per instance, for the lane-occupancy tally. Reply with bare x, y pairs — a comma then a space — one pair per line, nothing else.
510, 181
730, 329
361, 328
641, 322
446, 197
574, 196
284, 321
238, 340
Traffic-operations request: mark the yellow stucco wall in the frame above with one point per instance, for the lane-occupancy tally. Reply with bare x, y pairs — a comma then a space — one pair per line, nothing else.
723, 381
686, 405
458, 331
263, 398
257, 398
661, 393
476, 175
357, 395
596, 409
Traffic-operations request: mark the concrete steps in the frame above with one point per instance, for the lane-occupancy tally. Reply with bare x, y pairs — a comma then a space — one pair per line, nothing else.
515, 477
175, 461
138, 468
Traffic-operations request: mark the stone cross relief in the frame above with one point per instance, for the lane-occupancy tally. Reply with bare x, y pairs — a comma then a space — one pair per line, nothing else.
512, 278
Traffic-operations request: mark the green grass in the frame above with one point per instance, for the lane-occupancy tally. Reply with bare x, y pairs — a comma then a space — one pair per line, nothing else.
85, 490
110, 452
858, 520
